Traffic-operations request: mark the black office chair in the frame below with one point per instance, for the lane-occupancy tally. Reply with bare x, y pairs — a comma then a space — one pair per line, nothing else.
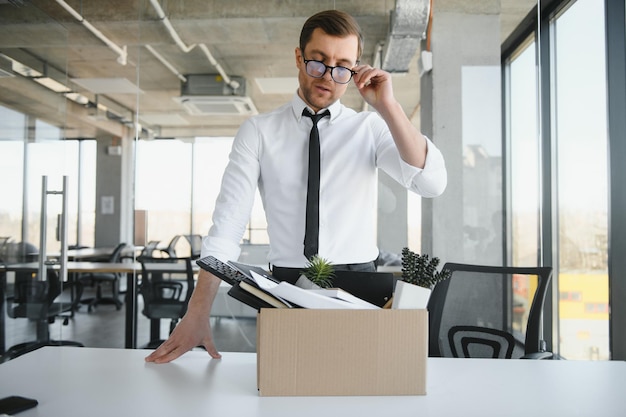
3, 242
97, 279
18, 252
489, 312
148, 251
170, 250
195, 242
165, 294
42, 302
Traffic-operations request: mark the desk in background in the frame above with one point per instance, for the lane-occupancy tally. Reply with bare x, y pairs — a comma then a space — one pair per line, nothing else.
98, 254
131, 269
70, 382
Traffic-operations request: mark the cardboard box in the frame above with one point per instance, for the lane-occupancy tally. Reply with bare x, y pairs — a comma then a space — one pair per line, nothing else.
311, 352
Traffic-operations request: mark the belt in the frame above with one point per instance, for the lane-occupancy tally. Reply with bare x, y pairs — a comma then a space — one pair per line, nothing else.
291, 275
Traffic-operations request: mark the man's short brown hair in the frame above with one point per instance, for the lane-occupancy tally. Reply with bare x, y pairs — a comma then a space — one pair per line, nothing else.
334, 23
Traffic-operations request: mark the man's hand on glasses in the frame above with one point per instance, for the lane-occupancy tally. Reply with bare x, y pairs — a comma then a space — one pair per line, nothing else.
375, 86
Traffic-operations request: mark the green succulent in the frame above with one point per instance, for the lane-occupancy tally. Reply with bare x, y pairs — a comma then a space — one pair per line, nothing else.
319, 271
421, 270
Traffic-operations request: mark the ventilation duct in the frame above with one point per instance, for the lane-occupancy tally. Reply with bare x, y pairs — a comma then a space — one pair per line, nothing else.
6, 67
209, 94
408, 24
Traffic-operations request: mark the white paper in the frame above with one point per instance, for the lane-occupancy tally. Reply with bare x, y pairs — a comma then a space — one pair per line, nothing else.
301, 297
263, 283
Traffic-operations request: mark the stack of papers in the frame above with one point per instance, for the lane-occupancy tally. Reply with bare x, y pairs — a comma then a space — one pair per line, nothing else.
334, 298
257, 288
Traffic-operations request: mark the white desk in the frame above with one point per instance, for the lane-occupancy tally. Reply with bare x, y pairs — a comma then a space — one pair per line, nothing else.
91, 382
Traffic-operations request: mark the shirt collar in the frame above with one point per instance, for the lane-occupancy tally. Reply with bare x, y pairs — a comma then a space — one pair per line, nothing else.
297, 105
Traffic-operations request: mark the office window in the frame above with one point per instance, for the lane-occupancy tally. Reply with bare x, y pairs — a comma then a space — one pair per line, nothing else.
570, 296
578, 177
482, 164
163, 188
82, 232
581, 141
210, 160
177, 185
414, 222
46, 155
58, 158
524, 158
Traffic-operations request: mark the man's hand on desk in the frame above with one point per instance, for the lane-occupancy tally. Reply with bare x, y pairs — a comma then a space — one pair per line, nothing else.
194, 329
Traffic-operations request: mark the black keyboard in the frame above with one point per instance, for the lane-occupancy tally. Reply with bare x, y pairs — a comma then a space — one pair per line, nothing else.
221, 270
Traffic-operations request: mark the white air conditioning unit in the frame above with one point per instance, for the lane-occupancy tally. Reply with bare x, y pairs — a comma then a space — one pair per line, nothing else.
217, 105
208, 94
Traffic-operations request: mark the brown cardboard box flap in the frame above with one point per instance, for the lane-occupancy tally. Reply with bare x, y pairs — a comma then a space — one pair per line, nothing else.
342, 352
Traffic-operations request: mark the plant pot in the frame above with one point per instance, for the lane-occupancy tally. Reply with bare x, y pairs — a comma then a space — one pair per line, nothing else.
410, 296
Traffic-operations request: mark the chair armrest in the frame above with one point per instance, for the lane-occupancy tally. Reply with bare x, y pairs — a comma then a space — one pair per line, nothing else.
538, 355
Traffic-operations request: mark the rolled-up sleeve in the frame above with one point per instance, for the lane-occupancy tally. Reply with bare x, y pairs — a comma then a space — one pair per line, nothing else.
430, 181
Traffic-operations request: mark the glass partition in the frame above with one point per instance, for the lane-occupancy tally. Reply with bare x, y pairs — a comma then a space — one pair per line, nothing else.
34, 160
140, 117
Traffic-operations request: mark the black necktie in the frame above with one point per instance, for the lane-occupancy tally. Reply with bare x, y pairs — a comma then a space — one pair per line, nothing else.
311, 235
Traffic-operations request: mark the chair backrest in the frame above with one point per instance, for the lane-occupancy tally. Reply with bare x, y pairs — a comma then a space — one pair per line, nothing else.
483, 342
32, 297
161, 286
506, 299
171, 247
29, 299
148, 250
195, 242
116, 255
20, 252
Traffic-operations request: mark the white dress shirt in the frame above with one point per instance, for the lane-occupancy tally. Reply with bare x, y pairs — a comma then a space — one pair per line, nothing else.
271, 151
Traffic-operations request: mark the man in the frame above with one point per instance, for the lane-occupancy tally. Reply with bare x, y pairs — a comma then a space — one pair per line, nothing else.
271, 151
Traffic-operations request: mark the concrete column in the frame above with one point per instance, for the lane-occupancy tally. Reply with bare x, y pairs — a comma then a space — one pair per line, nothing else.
108, 192
461, 113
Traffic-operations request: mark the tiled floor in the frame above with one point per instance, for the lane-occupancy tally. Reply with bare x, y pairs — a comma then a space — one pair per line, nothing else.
104, 327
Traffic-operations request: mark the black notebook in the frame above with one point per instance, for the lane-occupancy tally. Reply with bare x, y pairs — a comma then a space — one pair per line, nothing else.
373, 287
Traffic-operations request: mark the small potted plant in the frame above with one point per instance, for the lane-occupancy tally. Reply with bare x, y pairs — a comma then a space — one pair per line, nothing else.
419, 276
318, 273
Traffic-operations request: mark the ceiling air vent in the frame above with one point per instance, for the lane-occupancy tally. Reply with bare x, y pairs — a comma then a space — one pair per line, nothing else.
203, 95
216, 105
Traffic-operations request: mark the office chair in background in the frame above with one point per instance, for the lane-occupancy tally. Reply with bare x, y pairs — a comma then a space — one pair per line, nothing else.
148, 251
489, 312
42, 302
165, 294
195, 243
170, 250
97, 279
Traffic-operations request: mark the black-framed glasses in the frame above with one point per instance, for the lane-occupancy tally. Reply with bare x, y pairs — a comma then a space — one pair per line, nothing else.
317, 69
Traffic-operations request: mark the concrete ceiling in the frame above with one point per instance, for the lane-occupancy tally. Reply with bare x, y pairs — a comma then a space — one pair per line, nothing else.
248, 38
